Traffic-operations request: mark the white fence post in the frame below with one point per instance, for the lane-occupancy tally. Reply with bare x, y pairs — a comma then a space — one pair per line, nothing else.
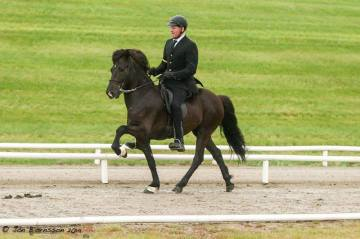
103, 167
325, 155
104, 171
97, 161
265, 172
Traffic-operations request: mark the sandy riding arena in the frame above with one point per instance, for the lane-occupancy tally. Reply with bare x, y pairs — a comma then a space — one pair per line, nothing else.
77, 191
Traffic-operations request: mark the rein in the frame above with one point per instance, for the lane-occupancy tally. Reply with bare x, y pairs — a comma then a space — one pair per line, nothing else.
125, 91
136, 88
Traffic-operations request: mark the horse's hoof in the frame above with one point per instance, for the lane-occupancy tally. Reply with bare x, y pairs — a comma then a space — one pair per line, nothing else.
230, 187
151, 190
123, 151
177, 189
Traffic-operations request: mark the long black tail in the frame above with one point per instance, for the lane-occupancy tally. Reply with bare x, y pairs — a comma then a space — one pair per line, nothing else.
230, 128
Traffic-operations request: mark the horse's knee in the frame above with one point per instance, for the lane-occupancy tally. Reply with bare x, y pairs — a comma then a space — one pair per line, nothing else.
121, 129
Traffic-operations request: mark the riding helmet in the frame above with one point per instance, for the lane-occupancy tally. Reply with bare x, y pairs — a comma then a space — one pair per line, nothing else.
179, 21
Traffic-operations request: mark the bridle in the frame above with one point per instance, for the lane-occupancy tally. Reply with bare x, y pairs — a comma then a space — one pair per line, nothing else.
128, 91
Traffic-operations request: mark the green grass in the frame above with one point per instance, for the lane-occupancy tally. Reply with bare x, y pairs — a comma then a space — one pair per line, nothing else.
306, 230
290, 67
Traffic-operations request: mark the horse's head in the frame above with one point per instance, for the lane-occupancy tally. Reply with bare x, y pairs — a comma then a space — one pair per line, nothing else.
119, 73
126, 63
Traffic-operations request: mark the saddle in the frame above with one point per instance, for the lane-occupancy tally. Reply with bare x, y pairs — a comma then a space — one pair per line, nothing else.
167, 96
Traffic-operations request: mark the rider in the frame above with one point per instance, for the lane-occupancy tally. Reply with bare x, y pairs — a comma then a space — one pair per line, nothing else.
178, 66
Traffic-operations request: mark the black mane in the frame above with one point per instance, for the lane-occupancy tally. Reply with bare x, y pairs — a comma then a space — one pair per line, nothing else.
137, 55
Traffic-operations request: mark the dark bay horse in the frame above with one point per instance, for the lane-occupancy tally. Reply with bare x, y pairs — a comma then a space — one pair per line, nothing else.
148, 119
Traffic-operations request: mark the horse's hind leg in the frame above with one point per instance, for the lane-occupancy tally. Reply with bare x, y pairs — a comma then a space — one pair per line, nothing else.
201, 141
216, 153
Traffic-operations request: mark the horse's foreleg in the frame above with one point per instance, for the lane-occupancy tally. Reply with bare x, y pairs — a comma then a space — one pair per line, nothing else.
123, 129
201, 141
155, 184
216, 153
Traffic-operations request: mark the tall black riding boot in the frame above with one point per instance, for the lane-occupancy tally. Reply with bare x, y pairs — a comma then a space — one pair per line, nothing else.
178, 143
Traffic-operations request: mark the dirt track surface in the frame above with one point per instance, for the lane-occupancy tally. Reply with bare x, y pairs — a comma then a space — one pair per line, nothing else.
77, 191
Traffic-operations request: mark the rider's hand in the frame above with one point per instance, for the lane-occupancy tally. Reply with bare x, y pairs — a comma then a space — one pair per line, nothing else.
169, 75
152, 71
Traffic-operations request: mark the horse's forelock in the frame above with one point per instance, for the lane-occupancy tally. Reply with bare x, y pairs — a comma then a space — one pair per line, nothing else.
118, 54
140, 58
137, 55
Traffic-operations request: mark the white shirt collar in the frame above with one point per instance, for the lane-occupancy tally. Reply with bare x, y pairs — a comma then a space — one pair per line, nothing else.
179, 39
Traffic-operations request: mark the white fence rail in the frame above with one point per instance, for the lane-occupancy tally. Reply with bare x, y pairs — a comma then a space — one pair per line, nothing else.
103, 157
178, 219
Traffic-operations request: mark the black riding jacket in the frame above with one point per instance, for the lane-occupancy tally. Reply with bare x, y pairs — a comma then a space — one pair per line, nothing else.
182, 60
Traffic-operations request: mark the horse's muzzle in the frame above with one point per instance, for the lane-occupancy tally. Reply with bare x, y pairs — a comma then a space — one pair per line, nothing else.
109, 94
113, 95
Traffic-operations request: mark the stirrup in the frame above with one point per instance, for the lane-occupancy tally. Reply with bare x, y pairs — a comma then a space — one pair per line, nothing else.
177, 145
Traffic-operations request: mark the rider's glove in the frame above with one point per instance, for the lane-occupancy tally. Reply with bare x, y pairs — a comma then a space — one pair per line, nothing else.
169, 75
152, 71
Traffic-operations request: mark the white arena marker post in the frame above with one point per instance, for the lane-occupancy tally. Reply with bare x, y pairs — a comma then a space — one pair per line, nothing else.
104, 171
265, 172
97, 161
325, 160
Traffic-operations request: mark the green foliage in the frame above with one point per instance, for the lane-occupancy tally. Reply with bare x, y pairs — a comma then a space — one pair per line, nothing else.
290, 67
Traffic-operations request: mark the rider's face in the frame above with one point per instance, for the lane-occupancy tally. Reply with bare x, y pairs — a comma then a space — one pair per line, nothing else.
176, 31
